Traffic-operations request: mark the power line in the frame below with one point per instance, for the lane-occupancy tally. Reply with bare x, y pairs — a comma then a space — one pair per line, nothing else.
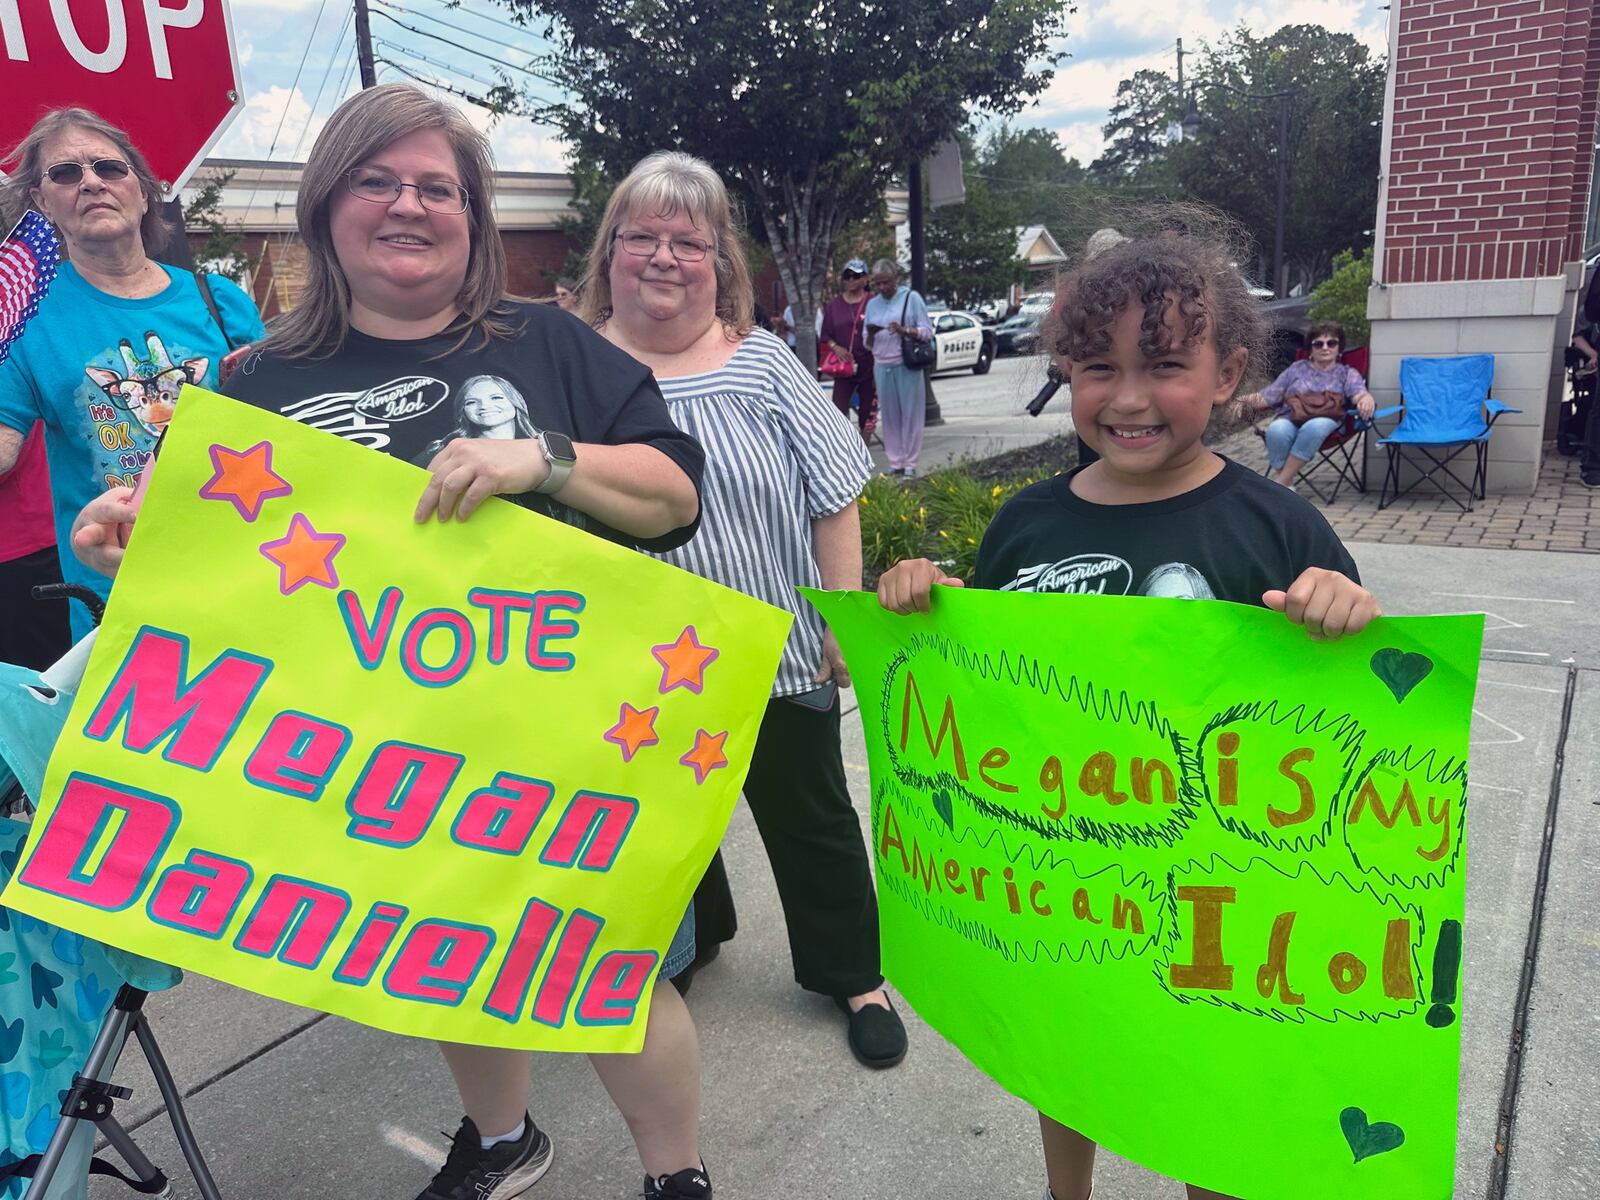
443, 87
493, 39
333, 58
382, 12
288, 100
471, 12
434, 62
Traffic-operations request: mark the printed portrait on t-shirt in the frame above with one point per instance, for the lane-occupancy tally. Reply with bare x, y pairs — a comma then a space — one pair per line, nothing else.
1178, 581
485, 406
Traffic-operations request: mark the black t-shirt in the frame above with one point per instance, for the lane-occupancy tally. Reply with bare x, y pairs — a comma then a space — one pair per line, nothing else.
410, 398
1232, 538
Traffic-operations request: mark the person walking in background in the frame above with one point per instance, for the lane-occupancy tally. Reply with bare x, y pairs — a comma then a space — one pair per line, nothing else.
897, 312
118, 334
843, 333
668, 283
566, 294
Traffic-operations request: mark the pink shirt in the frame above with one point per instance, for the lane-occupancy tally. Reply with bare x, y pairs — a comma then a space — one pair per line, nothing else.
27, 521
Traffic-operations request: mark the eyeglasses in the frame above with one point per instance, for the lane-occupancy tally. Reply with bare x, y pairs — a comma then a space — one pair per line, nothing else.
437, 195
107, 170
684, 249
1324, 343
851, 275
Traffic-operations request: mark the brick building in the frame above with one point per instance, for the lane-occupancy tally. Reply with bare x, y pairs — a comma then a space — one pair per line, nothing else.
1486, 203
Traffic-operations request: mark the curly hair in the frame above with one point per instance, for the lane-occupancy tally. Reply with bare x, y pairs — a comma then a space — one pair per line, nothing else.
1181, 263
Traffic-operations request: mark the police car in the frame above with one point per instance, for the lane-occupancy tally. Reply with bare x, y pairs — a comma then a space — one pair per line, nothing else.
963, 342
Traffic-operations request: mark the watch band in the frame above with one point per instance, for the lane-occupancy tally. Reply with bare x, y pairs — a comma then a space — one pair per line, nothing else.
560, 468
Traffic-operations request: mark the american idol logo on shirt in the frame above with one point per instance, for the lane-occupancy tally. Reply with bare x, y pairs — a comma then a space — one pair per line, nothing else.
1082, 574
365, 416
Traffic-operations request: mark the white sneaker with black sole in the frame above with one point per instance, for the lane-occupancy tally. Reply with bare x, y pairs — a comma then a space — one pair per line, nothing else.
504, 1170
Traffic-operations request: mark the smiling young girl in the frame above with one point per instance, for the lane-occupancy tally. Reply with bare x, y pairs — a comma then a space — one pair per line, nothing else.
1154, 335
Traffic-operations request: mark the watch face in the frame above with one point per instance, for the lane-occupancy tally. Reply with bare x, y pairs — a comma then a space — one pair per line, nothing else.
559, 446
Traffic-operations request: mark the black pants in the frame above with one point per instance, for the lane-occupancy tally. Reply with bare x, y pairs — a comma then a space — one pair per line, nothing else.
33, 633
797, 793
1590, 464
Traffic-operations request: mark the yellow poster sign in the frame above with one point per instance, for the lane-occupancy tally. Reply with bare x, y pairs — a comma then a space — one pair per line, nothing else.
452, 780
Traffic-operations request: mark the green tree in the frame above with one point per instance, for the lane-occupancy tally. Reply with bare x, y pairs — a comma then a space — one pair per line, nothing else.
1027, 169
1334, 139
1136, 134
220, 252
810, 109
1342, 297
591, 189
972, 246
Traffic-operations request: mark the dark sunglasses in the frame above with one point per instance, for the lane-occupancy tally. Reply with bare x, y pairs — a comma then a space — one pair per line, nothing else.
105, 169
851, 275
1324, 344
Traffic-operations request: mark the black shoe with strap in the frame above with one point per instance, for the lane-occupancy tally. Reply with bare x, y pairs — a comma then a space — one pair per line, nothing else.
693, 1183
504, 1170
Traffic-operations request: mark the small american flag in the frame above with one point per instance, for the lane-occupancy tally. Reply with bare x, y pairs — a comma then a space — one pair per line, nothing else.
28, 259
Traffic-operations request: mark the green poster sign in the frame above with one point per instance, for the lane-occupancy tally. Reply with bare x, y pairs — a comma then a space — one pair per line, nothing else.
1181, 877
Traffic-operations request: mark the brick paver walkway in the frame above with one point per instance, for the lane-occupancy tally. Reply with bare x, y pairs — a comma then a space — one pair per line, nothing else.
1562, 514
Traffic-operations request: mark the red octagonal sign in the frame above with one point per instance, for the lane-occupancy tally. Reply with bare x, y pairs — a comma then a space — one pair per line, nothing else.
164, 70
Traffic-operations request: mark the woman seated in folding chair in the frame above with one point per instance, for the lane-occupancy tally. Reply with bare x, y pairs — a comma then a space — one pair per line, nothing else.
1310, 399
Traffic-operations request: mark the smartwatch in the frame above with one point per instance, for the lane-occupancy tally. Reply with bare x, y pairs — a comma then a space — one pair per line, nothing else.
560, 454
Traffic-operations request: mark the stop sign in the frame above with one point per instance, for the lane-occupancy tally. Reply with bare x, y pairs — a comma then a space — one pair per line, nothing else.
164, 70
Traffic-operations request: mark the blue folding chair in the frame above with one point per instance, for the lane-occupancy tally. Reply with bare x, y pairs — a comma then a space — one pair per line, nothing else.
1445, 412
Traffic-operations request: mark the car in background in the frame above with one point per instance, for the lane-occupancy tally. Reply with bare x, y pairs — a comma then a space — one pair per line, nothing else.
1020, 334
990, 312
963, 343
1036, 302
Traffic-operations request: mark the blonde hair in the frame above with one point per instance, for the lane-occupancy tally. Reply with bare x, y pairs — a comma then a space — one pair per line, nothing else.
665, 184
361, 127
28, 172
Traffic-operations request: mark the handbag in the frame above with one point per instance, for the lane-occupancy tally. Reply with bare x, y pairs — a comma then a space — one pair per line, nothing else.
916, 353
835, 367
1307, 406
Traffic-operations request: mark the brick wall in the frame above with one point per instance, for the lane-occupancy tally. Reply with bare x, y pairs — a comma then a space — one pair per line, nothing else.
1491, 137
534, 258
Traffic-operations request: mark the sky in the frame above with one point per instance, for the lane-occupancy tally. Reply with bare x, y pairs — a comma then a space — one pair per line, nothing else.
298, 58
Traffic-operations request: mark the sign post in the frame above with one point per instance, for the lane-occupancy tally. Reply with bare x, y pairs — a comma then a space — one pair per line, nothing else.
164, 71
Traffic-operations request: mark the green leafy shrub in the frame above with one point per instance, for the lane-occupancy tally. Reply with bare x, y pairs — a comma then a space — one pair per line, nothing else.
1342, 297
894, 524
941, 517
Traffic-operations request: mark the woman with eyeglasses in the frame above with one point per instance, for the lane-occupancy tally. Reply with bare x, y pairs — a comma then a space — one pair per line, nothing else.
844, 333
668, 282
1310, 399
405, 336
117, 335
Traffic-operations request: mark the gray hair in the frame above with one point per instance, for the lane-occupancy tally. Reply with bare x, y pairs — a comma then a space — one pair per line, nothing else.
886, 266
28, 172
361, 127
664, 184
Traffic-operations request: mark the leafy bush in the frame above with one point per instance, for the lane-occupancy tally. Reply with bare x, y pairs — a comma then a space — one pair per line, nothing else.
941, 517
1342, 297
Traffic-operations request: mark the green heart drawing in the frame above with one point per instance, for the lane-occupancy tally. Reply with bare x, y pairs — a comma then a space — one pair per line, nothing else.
1367, 1139
942, 806
1400, 671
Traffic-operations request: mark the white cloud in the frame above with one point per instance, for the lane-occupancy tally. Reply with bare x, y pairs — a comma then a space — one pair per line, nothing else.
1108, 42
272, 124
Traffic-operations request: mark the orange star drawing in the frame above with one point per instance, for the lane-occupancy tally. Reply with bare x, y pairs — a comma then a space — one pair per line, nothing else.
634, 730
707, 754
244, 478
304, 556
683, 662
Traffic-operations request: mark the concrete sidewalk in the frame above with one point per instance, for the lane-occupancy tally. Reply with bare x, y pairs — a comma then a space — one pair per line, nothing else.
296, 1106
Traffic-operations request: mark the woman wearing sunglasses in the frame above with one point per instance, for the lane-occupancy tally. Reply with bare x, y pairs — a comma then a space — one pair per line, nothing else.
117, 335
843, 333
1310, 400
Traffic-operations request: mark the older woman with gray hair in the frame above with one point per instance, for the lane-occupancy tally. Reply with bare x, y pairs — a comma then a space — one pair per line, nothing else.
406, 300
117, 335
895, 313
667, 281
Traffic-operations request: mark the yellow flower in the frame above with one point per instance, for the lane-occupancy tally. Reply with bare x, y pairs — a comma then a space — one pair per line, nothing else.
996, 491
970, 542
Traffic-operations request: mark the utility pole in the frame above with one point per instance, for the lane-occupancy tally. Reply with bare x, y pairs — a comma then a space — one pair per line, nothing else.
919, 278
369, 75
1180, 70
